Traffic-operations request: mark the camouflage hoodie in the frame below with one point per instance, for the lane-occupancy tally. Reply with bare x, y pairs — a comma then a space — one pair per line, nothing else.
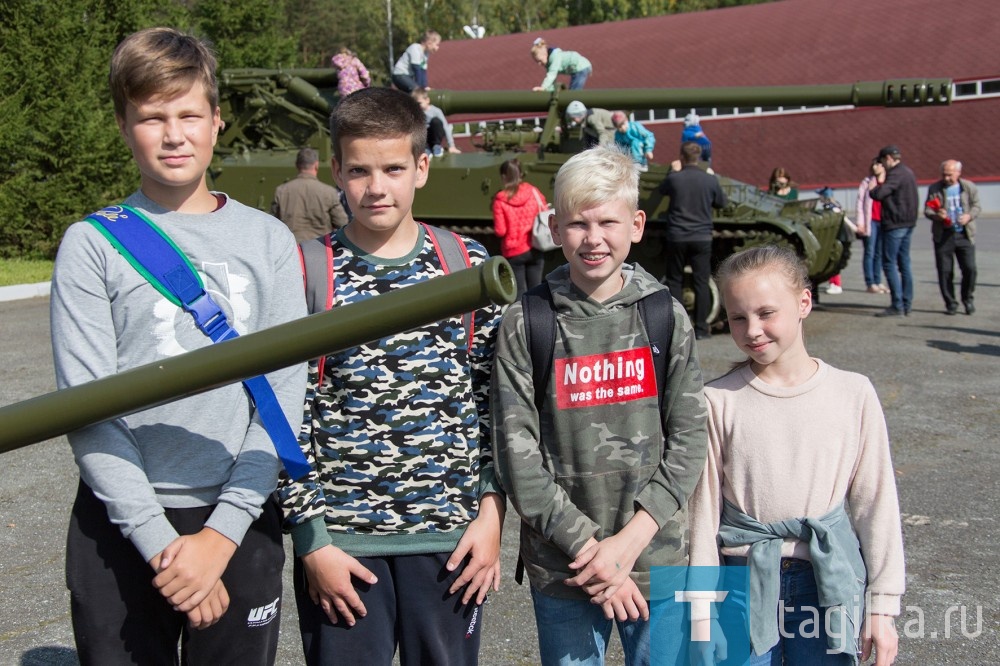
598, 450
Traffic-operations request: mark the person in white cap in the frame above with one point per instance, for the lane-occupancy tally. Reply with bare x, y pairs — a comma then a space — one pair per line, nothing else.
598, 130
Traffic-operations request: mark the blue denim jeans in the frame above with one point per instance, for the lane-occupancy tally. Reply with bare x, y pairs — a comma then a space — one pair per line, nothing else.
896, 264
803, 641
872, 261
577, 81
574, 632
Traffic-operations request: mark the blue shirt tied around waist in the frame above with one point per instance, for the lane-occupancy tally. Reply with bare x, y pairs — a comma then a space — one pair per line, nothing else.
837, 564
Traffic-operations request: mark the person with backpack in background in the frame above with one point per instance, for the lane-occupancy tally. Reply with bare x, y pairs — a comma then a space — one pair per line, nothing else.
514, 210
598, 445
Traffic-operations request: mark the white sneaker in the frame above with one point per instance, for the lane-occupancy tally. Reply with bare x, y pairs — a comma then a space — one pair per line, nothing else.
834, 289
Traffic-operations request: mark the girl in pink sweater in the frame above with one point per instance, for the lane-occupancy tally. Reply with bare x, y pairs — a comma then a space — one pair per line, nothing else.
799, 483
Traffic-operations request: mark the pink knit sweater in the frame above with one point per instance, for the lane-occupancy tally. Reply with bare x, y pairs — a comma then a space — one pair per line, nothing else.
778, 453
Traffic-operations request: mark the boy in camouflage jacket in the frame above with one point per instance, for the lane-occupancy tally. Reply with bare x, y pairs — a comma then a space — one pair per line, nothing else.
598, 475
397, 529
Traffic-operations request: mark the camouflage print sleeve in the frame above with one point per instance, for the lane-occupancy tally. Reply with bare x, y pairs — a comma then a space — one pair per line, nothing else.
303, 501
486, 321
532, 489
686, 427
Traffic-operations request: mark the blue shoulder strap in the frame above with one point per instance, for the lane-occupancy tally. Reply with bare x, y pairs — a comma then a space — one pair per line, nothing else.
155, 257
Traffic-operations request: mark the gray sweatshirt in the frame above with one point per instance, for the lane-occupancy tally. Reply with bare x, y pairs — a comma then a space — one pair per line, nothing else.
208, 449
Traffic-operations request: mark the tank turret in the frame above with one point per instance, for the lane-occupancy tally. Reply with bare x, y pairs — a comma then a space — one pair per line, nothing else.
270, 114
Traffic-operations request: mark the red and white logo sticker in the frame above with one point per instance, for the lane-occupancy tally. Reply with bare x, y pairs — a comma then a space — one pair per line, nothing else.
604, 379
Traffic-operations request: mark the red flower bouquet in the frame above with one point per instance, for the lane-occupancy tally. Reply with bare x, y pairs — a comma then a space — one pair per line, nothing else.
936, 206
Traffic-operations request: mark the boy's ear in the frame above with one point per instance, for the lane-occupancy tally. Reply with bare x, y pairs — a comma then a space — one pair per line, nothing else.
554, 229
423, 170
335, 171
638, 225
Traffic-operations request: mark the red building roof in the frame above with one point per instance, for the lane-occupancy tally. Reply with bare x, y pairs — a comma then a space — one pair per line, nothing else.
791, 42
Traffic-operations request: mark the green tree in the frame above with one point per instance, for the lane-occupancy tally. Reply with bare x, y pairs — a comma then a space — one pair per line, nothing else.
248, 33
61, 152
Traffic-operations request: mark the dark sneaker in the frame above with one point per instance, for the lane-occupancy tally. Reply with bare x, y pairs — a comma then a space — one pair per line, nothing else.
951, 310
890, 312
970, 308
702, 335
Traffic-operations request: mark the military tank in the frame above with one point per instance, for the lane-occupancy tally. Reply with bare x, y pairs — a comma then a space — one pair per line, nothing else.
270, 114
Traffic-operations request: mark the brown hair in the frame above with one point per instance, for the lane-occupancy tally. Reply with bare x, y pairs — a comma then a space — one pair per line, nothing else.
378, 113
160, 62
510, 172
771, 258
779, 172
690, 152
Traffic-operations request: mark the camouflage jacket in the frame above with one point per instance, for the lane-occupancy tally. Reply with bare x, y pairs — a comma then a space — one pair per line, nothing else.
397, 430
597, 451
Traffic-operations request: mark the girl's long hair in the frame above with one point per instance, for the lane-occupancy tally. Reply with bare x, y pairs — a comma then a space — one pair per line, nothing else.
510, 172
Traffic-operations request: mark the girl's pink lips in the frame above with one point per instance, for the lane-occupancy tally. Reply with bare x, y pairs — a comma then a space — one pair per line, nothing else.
757, 346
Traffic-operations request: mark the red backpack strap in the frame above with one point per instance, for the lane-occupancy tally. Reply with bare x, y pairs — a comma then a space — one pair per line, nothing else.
453, 255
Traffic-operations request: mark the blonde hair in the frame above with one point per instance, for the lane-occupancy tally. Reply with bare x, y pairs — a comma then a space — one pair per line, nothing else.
594, 177
160, 62
769, 258
763, 258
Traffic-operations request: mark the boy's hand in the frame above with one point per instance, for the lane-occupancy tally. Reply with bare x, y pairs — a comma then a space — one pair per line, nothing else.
190, 566
626, 603
481, 543
328, 574
605, 565
211, 610
603, 568
879, 631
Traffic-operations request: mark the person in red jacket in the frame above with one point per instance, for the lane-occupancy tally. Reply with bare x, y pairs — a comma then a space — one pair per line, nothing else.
514, 211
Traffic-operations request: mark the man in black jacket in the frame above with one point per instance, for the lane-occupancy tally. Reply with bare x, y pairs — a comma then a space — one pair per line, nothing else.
693, 193
896, 187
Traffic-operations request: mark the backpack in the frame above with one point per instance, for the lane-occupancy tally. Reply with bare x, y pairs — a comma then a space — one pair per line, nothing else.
655, 310
316, 256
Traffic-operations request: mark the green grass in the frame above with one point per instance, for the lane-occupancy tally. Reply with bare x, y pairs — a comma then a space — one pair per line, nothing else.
24, 271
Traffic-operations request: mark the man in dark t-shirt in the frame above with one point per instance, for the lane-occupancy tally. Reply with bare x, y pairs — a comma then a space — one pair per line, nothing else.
693, 194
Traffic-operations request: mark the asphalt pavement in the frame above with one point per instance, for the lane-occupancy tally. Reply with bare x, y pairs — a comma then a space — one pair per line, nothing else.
938, 378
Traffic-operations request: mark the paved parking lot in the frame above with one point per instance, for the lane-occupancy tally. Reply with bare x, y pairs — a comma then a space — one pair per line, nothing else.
938, 378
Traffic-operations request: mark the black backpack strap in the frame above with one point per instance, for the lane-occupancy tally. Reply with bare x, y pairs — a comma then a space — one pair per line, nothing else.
540, 335
657, 314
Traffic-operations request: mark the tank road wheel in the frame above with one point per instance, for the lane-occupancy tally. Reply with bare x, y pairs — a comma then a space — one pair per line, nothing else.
687, 296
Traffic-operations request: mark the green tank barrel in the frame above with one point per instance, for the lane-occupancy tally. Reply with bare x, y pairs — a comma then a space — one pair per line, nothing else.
323, 77
896, 92
58, 413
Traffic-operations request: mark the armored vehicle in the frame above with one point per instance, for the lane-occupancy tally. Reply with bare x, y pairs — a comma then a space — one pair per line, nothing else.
270, 114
